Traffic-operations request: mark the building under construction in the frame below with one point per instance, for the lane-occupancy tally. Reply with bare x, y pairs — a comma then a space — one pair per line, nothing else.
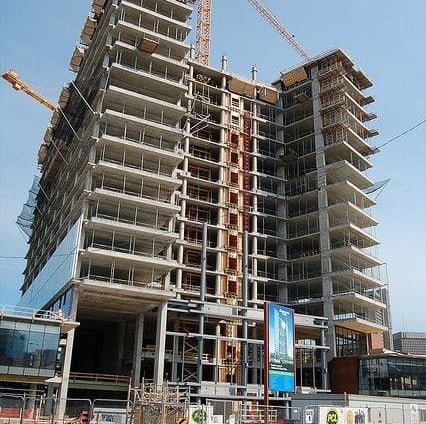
176, 198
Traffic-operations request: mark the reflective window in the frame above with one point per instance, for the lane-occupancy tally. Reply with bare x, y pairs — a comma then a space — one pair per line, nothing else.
30, 349
350, 342
394, 376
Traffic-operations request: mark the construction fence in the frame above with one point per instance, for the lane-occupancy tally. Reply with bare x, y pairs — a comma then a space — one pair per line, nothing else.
16, 409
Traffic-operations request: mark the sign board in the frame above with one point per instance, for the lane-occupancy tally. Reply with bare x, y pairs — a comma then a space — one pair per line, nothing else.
110, 415
339, 415
280, 348
309, 416
414, 414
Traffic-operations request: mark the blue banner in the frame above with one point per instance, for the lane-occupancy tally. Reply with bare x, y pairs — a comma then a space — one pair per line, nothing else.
281, 348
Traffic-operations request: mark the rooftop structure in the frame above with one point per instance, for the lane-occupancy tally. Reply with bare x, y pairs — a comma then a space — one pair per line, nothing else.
410, 342
177, 198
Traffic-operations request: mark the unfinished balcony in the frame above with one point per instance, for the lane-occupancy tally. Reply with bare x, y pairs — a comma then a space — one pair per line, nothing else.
345, 171
367, 278
118, 122
130, 32
134, 101
346, 212
346, 191
148, 231
156, 80
342, 133
343, 151
354, 291
167, 21
112, 283
128, 146
179, 11
130, 175
131, 49
137, 193
132, 217
352, 234
345, 253
365, 319
349, 83
343, 118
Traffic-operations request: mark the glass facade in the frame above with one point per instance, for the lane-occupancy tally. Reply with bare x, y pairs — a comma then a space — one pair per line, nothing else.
28, 348
350, 342
393, 376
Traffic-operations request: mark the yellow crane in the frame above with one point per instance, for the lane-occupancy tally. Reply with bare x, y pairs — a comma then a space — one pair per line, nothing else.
204, 11
13, 78
278, 25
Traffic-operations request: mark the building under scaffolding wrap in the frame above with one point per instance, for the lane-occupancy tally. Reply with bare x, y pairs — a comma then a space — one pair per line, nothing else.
178, 198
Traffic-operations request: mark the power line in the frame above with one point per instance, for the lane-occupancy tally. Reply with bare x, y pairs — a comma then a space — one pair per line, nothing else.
401, 134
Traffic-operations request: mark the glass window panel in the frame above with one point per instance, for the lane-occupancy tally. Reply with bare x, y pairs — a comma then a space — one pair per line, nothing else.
50, 348
37, 328
7, 325
22, 326
35, 349
18, 348
52, 330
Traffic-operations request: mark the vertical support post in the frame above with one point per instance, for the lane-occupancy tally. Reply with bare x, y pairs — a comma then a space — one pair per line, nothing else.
67, 362
160, 344
244, 345
324, 367
266, 359
203, 283
137, 350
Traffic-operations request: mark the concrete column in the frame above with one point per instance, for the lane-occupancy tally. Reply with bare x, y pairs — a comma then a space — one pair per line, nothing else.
62, 401
175, 352
137, 350
120, 353
49, 405
327, 286
160, 344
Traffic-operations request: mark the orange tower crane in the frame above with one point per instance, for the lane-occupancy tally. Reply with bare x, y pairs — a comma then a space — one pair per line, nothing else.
202, 44
13, 78
278, 25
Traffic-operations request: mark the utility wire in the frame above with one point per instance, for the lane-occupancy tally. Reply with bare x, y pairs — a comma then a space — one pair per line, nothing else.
401, 134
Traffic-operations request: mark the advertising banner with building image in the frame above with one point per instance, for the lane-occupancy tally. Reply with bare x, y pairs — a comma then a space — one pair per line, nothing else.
280, 348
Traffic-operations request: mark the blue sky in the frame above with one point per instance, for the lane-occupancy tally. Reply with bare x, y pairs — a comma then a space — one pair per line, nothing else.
386, 39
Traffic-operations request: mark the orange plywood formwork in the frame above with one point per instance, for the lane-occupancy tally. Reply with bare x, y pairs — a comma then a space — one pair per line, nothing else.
98, 6
77, 58
148, 45
243, 88
64, 97
88, 30
295, 76
268, 95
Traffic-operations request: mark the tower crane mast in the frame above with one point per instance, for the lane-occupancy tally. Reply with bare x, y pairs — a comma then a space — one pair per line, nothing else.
204, 12
202, 45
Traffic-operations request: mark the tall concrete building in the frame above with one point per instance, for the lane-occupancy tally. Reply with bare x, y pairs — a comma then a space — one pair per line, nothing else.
176, 198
